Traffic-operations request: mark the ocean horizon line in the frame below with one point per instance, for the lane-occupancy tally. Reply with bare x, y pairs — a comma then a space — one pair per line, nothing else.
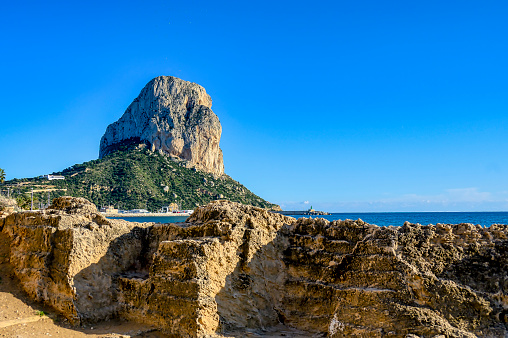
394, 212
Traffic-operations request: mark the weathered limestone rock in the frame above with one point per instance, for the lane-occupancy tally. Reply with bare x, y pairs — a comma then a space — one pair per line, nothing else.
354, 279
69, 257
174, 116
194, 269
232, 268
7, 205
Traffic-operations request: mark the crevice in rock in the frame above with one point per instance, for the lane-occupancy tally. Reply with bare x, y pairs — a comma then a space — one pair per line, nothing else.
234, 267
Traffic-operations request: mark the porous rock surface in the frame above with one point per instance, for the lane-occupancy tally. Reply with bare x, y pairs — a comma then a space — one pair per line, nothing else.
7, 205
173, 116
232, 269
68, 256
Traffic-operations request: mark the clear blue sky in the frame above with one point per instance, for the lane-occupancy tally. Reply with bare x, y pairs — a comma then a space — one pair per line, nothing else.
343, 105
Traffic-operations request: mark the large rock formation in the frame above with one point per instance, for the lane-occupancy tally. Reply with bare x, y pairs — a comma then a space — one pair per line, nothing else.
67, 258
174, 116
232, 269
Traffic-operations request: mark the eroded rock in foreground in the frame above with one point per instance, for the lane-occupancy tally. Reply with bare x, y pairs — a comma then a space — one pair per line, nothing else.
232, 268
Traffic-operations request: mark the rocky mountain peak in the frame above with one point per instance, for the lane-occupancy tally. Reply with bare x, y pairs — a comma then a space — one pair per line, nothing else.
174, 116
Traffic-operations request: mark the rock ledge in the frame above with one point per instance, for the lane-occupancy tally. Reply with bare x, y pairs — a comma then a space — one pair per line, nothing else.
233, 268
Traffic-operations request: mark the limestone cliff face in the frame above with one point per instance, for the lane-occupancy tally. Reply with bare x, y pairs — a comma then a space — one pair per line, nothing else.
174, 116
231, 269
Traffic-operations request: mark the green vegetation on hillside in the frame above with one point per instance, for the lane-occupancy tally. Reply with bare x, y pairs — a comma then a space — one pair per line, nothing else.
134, 179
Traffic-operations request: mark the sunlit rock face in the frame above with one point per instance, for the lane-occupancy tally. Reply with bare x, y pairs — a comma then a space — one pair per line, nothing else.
232, 268
173, 116
66, 256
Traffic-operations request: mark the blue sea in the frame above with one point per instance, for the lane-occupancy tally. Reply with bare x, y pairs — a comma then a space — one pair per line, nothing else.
384, 218
398, 218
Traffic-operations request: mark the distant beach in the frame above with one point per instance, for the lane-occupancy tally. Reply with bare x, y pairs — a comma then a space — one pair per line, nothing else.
145, 214
142, 218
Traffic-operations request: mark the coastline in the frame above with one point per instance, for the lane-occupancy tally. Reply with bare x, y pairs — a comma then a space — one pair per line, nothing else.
485, 219
304, 212
149, 214
458, 251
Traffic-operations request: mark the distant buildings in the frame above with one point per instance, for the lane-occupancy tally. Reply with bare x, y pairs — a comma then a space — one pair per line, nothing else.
54, 177
172, 207
139, 211
109, 210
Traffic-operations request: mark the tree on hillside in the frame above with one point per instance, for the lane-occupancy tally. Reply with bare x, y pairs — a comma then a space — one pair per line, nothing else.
23, 201
2, 175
